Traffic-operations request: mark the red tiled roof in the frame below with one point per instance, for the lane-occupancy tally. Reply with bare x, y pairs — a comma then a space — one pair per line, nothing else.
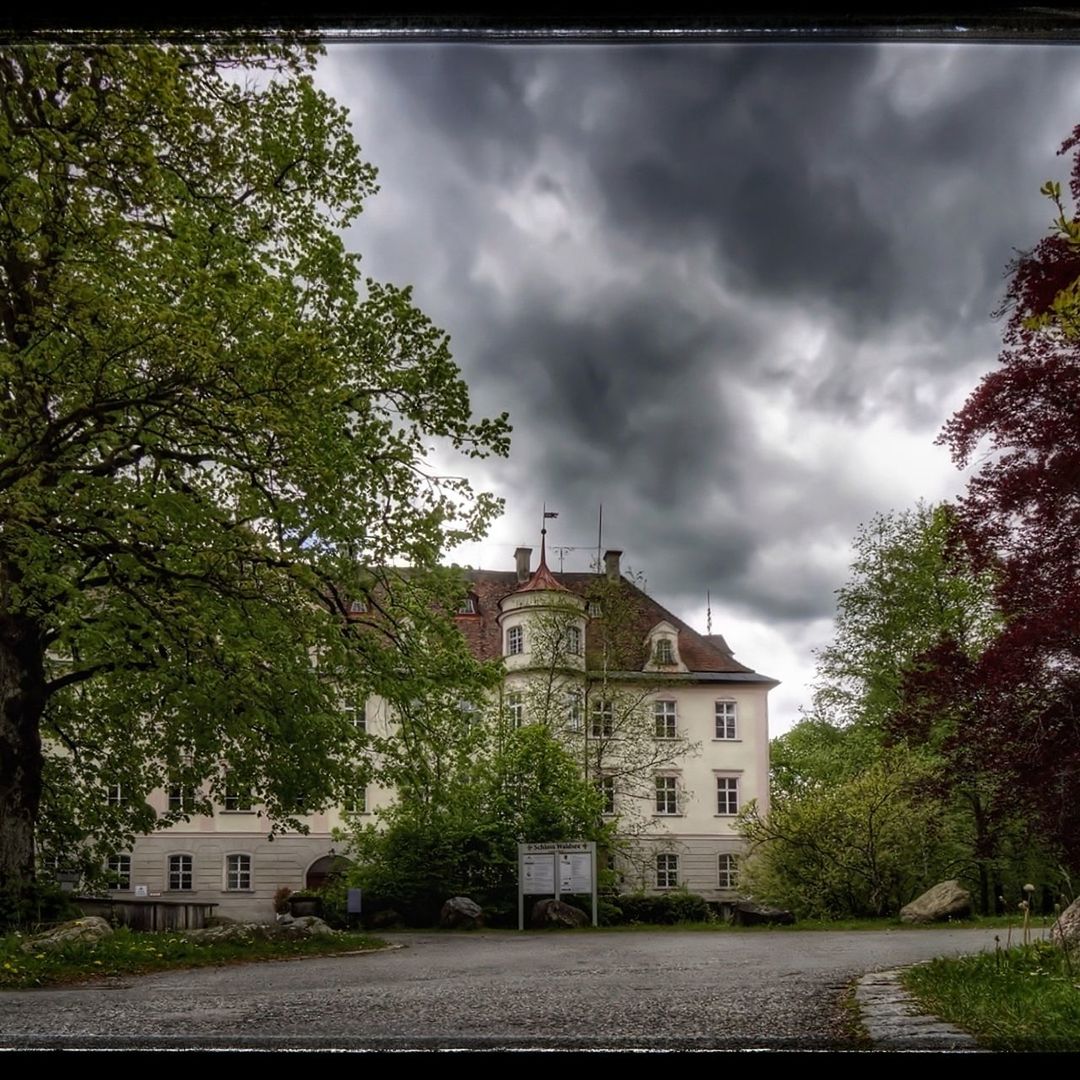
698, 652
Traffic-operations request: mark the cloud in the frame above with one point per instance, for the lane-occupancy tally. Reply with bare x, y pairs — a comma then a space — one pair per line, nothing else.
729, 291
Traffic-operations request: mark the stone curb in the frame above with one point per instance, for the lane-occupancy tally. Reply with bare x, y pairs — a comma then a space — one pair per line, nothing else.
893, 1021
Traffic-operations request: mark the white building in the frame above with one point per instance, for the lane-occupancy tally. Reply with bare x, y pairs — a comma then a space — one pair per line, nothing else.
705, 714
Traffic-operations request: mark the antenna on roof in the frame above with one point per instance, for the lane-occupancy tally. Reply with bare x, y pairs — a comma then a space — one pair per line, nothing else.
708, 612
600, 539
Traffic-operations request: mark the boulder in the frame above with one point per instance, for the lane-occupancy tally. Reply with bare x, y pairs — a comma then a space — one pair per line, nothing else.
1066, 930
308, 926
556, 913
946, 900
89, 929
461, 913
746, 913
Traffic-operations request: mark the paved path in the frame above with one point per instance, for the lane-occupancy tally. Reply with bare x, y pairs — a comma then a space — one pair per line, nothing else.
652, 989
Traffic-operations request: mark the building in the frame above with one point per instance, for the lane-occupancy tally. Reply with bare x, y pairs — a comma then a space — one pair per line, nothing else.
675, 728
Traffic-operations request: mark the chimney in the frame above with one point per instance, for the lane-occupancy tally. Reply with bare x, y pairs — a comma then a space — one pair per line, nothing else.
611, 564
522, 556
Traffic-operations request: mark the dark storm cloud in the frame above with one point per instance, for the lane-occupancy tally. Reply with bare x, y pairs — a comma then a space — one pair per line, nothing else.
639, 251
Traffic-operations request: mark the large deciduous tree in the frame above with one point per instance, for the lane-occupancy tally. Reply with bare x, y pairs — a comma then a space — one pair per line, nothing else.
214, 439
1021, 516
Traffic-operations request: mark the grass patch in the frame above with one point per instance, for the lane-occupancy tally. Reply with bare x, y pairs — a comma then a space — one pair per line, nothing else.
1027, 998
126, 952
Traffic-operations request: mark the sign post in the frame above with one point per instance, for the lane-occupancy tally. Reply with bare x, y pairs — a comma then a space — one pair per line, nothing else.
556, 869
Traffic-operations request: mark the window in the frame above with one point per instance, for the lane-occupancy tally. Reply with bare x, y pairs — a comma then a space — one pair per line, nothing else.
664, 713
603, 719
115, 795
237, 872
119, 871
727, 794
573, 640
595, 610
358, 607
467, 606
237, 797
667, 871
180, 873
662, 651
358, 805
468, 710
606, 785
728, 876
574, 710
357, 715
725, 720
515, 641
667, 794
180, 797
515, 708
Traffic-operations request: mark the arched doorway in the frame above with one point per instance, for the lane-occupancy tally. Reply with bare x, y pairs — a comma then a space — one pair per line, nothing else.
322, 870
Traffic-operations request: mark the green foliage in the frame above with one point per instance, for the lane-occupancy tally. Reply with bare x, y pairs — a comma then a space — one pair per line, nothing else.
215, 434
460, 838
909, 588
664, 909
126, 952
36, 904
1018, 999
859, 846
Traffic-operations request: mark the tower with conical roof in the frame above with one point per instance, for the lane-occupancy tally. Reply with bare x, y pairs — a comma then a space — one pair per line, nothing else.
542, 622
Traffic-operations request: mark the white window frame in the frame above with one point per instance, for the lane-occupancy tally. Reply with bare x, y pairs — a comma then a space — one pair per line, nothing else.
180, 873
114, 795
667, 870
357, 714
515, 641
183, 797
240, 797
467, 606
515, 707
666, 786
728, 784
606, 785
359, 803
573, 640
118, 866
575, 711
666, 714
602, 718
238, 879
727, 870
357, 607
663, 651
596, 609
726, 713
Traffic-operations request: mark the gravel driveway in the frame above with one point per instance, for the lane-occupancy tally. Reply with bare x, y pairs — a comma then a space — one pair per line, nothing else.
651, 989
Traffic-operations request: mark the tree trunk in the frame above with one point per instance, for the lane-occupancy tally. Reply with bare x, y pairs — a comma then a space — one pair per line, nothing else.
22, 702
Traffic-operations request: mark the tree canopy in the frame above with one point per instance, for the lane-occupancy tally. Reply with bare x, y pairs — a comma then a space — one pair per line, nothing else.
215, 437
1020, 516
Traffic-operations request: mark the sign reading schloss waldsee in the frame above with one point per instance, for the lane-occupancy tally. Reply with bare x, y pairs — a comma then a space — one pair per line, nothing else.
556, 869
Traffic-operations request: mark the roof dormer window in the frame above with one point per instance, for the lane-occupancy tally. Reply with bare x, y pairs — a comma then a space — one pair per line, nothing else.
467, 606
663, 652
358, 607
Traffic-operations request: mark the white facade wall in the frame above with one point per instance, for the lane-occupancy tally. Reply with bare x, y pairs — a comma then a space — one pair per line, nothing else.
698, 835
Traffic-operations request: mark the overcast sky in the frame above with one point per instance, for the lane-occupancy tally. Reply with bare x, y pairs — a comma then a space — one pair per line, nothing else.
732, 292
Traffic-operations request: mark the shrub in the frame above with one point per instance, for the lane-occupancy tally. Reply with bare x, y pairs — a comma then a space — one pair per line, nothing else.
34, 904
664, 909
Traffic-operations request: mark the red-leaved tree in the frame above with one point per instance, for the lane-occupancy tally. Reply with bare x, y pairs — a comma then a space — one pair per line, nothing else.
1021, 517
